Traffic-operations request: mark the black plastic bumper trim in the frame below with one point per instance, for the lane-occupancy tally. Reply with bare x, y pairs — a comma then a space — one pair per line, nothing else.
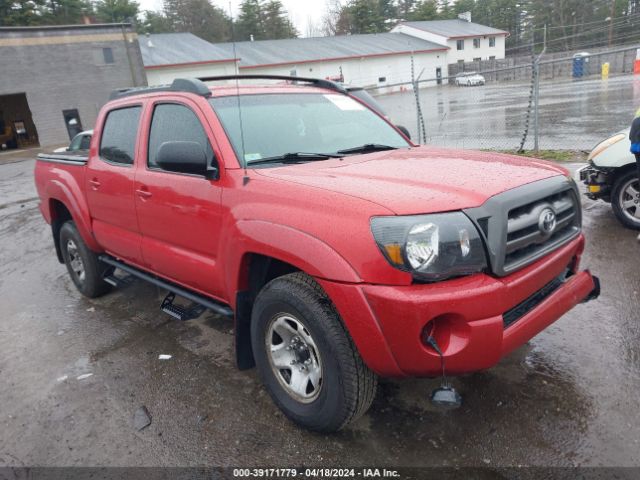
595, 293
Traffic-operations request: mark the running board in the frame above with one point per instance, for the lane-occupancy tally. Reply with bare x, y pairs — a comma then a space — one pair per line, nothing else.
197, 298
119, 282
181, 312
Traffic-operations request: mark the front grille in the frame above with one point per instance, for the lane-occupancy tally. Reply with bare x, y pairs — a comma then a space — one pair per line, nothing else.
525, 238
516, 313
512, 223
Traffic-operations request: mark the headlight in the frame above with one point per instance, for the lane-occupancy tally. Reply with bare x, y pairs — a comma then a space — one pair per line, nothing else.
431, 247
601, 147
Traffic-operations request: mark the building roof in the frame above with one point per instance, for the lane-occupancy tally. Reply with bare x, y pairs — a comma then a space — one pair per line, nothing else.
455, 28
89, 26
316, 49
173, 49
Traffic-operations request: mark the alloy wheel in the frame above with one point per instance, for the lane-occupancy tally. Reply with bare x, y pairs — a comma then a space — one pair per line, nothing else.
75, 260
294, 357
629, 200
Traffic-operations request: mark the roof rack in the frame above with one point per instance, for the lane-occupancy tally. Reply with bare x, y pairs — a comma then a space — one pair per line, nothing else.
318, 82
189, 85
197, 86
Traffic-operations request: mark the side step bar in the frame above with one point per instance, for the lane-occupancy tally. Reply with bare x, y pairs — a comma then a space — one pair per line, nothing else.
173, 288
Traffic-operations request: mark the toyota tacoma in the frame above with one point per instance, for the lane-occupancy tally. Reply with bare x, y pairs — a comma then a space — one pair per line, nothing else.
342, 251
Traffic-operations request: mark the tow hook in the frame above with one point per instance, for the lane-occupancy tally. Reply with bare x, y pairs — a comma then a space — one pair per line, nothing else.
445, 396
595, 293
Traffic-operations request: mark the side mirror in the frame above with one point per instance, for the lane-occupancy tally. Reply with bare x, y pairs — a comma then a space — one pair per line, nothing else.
182, 157
404, 130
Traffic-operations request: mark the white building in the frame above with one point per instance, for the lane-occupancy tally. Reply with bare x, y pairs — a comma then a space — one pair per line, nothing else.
412, 49
465, 41
171, 55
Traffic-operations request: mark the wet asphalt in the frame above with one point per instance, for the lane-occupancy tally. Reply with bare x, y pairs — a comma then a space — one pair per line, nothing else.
568, 398
574, 114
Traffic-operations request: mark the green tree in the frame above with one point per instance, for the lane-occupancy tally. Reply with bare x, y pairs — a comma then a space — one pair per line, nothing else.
20, 12
362, 16
195, 16
445, 9
155, 22
275, 21
250, 21
425, 10
117, 10
405, 8
65, 12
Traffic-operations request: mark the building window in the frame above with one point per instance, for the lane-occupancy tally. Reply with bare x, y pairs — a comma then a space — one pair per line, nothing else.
492, 41
476, 43
492, 57
382, 79
477, 59
460, 44
107, 54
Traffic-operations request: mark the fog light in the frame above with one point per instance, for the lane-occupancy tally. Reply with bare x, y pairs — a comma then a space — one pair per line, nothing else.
594, 188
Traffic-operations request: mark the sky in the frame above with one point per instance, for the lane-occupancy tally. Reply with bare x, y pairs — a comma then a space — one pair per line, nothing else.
301, 12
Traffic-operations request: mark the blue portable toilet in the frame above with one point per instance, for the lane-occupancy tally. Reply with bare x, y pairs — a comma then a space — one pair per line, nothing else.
580, 61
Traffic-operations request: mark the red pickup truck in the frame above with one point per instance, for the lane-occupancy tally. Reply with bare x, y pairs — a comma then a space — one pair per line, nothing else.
343, 251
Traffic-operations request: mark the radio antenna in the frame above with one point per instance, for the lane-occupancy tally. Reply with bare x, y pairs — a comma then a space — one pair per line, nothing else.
245, 178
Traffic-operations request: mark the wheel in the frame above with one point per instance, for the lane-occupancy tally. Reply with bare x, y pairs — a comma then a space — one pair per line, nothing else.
86, 271
305, 356
625, 200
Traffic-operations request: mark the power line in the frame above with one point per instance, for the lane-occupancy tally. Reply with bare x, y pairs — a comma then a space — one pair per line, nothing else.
592, 31
623, 17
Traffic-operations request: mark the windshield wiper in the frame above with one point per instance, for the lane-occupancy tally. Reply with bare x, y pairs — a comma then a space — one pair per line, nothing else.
368, 147
294, 157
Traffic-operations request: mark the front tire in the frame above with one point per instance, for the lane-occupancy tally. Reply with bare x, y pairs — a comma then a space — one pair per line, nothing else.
86, 271
625, 200
305, 356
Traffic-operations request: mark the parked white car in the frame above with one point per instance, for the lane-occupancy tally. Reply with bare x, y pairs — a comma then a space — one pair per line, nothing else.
468, 79
612, 176
80, 142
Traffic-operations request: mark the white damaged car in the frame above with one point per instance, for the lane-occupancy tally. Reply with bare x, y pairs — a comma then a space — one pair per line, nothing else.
469, 79
612, 176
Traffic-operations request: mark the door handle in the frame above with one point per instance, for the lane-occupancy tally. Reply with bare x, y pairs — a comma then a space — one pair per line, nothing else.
94, 183
143, 193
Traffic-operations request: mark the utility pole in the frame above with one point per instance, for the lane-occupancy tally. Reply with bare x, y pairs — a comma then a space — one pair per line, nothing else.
536, 94
613, 12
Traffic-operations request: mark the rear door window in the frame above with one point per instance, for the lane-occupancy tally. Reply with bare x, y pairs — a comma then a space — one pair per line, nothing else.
174, 122
118, 142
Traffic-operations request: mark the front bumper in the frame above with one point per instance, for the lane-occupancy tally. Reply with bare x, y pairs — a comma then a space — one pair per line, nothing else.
477, 320
597, 180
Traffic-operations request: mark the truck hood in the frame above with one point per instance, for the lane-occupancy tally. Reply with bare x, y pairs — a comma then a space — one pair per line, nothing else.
420, 179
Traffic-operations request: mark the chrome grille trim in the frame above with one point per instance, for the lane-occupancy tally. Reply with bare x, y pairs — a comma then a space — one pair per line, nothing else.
509, 222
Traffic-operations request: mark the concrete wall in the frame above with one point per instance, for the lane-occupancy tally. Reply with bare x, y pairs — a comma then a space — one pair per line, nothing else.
61, 68
365, 71
165, 75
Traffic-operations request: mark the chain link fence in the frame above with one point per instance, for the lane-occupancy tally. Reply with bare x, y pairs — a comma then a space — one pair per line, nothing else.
552, 104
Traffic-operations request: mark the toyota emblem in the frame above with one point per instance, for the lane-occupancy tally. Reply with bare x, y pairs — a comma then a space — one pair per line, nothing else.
547, 222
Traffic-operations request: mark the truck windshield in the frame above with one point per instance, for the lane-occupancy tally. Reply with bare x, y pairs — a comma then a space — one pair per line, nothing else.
283, 125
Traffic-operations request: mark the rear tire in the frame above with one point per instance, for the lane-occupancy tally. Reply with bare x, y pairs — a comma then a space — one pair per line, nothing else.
319, 381
625, 192
86, 271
